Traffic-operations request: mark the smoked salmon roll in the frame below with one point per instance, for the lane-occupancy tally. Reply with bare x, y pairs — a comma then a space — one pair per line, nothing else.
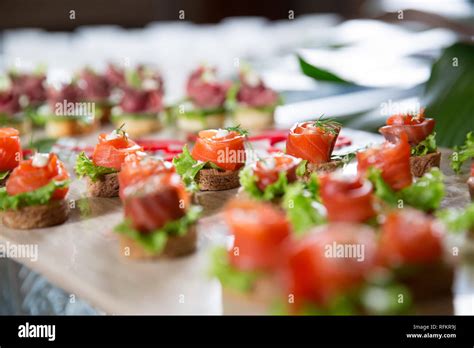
314, 142
101, 170
215, 161
421, 137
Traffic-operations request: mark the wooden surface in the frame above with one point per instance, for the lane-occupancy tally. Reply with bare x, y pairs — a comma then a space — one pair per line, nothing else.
83, 257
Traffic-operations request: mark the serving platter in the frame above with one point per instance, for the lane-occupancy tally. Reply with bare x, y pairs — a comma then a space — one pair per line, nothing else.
83, 256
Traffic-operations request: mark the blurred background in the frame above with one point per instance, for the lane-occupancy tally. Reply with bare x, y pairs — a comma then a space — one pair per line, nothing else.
358, 61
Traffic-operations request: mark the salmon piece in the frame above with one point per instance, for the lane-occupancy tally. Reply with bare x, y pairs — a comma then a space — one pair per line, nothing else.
268, 170
137, 168
10, 149
27, 178
153, 202
410, 236
111, 152
417, 128
259, 230
392, 159
223, 148
315, 276
312, 141
347, 199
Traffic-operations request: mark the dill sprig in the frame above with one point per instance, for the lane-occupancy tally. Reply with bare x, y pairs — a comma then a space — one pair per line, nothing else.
329, 125
238, 129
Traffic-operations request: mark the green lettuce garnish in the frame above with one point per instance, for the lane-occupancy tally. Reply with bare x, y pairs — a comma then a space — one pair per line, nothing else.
155, 241
300, 202
228, 275
301, 169
248, 180
458, 220
187, 167
426, 146
3, 175
425, 194
37, 197
85, 167
462, 153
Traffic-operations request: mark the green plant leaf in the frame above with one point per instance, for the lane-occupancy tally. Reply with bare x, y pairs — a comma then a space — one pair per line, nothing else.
319, 73
448, 94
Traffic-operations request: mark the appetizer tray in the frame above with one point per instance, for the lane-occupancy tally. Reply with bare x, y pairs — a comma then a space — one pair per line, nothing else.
82, 256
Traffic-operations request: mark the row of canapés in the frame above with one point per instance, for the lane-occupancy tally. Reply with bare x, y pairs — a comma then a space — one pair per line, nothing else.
134, 97
305, 236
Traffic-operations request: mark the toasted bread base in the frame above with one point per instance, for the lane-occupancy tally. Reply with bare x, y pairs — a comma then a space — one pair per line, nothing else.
320, 168
215, 180
253, 119
176, 246
256, 302
423, 164
65, 128
194, 125
470, 184
106, 187
136, 127
54, 213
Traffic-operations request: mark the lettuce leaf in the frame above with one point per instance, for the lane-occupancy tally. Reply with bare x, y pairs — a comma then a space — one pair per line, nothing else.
301, 169
426, 146
249, 182
458, 220
462, 153
301, 206
228, 275
3, 175
155, 241
37, 197
85, 167
381, 189
187, 167
425, 194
